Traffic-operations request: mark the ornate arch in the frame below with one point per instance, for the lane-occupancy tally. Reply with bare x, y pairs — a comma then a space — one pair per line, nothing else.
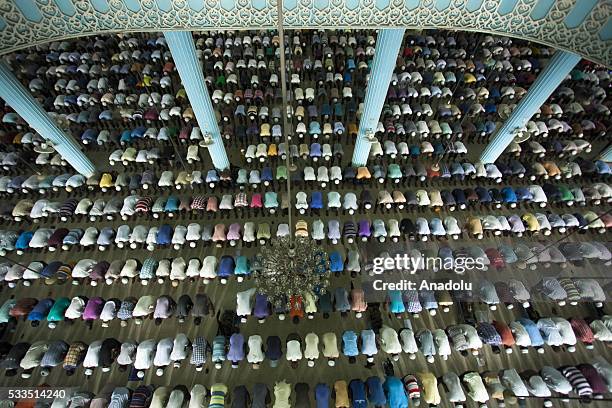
580, 26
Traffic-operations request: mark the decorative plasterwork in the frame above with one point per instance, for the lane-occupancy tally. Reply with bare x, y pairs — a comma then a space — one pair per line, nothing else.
590, 38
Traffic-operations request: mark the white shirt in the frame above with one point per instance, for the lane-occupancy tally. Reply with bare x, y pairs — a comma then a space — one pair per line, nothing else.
193, 268
453, 384
177, 270
129, 269
92, 356
312, 346
256, 354
442, 343
282, 392
162, 353
193, 232
127, 353
537, 387
40, 238
389, 340
198, 396
180, 347
144, 355
243, 302
521, 337
512, 380
34, 355
409, 344
160, 397
566, 332
294, 350
76, 308
476, 388
89, 237
177, 397
209, 267
83, 268
330, 345
144, 306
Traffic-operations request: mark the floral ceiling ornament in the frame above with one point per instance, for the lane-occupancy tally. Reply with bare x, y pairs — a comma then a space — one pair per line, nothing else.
587, 32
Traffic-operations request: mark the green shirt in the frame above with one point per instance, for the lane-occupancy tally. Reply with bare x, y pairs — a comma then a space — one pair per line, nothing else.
56, 314
281, 173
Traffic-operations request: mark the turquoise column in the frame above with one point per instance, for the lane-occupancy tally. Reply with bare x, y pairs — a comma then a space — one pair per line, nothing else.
388, 44
190, 69
559, 66
606, 155
22, 101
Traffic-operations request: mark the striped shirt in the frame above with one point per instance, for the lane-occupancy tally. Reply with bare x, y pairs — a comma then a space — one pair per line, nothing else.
120, 398
144, 204
55, 354
217, 395
582, 330
218, 351
577, 380
141, 397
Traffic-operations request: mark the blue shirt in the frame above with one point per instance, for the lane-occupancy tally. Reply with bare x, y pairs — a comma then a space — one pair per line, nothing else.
164, 235
341, 298
316, 200
226, 266
349, 343
358, 394
266, 174
41, 310
336, 262
376, 394
24, 240
322, 393
396, 302
396, 395
242, 265
218, 351
532, 331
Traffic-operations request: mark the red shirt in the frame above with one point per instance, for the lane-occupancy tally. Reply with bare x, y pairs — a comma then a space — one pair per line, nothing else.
297, 307
505, 333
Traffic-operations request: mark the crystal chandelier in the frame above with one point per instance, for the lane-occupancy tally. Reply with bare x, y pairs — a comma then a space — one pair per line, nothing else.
289, 267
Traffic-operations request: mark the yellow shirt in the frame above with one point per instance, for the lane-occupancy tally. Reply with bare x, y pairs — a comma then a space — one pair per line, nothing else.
363, 173
469, 78
301, 229
532, 222
342, 399
474, 225
106, 181
272, 150
552, 169
430, 388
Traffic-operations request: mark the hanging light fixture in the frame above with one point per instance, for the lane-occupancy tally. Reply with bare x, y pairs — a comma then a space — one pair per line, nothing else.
290, 266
